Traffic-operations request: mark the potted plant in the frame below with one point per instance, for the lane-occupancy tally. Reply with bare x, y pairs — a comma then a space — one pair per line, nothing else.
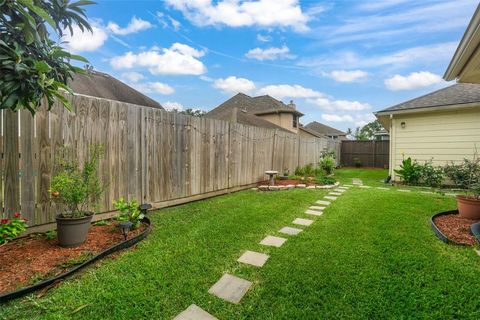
469, 174
79, 189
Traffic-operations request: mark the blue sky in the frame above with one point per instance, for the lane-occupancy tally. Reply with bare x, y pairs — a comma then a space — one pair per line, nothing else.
338, 60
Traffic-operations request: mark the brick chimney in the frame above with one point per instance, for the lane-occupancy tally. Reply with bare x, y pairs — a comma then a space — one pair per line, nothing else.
292, 105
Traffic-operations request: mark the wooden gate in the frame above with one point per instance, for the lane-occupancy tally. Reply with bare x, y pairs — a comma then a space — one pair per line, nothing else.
373, 154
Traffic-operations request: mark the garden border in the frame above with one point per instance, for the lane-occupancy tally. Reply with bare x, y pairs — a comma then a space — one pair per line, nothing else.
120, 246
439, 233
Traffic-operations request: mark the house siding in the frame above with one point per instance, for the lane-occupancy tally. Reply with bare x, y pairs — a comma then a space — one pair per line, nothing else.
284, 120
438, 136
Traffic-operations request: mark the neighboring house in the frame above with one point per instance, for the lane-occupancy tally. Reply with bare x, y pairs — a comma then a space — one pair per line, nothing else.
327, 131
382, 135
304, 132
442, 126
101, 85
465, 64
259, 110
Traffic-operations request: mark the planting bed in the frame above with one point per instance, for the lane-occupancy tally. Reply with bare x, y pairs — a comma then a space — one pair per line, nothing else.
453, 228
27, 261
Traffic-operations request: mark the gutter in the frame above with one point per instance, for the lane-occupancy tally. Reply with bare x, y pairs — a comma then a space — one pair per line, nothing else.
452, 107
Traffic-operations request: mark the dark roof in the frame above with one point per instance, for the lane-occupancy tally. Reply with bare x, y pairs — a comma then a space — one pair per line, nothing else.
461, 93
102, 85
253, 105
239, 116
325, 130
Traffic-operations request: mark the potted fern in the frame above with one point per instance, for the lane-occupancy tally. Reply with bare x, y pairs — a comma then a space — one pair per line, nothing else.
79, 189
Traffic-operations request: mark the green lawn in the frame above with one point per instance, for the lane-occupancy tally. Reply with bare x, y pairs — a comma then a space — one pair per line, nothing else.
371, 255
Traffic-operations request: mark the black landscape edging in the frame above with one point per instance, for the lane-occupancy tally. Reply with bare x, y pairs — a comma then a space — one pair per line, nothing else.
475, 231
439, 233
120, 246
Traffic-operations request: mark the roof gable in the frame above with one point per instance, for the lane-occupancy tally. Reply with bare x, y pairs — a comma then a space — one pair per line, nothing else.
324, 129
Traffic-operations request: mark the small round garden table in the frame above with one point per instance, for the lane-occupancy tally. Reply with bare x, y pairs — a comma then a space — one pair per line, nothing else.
271, 174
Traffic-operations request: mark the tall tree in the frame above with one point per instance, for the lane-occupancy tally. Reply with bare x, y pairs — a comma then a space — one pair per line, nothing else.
32, 65
367, 132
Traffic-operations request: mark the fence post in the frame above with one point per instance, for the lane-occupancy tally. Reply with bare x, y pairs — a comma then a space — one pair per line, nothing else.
11, 162
273, 148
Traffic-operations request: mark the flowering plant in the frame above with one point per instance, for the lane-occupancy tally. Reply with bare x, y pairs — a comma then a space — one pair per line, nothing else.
11, 228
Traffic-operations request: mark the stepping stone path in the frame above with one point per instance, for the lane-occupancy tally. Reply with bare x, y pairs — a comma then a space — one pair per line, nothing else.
427, 192
335, 193
357, 181
290, 231
330, 198
346, 186
230, 288
382, 188
339, 190
273, 241
194, 312
302, 222
314, 213
316, 208
253, 258
404, 190
364, 187
451, 194
323, 202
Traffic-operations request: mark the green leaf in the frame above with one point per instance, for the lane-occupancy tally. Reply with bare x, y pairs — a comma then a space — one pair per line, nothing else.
42, 67
38, 11
78, 58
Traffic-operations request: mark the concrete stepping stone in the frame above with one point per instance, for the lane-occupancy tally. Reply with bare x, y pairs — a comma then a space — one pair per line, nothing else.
427, 192
339, 190
230, 288
316, 208
357, 181
194, 312
382, 188
451, 194
330, 198
323, 202
273, 241
302, 222
364, 187
253, 258
335, 193
314, 213
290, 231
404, 190
346, 185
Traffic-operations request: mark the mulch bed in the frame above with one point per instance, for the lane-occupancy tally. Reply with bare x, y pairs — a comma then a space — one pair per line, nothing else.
287, 182
456, 229
29, 260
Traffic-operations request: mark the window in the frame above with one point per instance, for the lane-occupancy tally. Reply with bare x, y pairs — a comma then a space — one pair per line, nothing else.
294, 121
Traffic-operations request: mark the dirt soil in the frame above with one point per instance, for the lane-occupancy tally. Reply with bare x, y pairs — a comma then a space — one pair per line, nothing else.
456, 229
29, 260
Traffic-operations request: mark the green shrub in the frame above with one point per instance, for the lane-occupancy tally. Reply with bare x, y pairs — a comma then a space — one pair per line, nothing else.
129, 211
11, 228
325, 180
462, 173
327, 164
299, 171
432, 176
410, 171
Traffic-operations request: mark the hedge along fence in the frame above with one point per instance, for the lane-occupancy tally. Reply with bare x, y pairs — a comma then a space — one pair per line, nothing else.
152, 155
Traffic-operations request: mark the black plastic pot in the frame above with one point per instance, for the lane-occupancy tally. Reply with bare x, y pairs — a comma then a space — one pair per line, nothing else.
72, 232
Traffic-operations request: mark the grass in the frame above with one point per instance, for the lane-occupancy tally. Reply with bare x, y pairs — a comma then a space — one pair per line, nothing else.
371, 255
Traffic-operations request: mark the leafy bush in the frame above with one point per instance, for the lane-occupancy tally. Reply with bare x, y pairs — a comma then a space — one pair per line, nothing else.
465, 175
299, 171
431, 176
129, 211
327, 164
11, 228
410, 171
325, 180
305, 171
78, 188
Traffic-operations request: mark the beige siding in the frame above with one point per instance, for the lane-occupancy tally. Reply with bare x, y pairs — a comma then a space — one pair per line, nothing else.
438, 136
284, 120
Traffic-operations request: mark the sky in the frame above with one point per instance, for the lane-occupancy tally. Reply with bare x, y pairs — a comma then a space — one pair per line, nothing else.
339, 61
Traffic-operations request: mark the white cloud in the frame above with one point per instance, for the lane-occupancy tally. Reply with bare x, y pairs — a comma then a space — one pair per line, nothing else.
263, 38
154, 87
240, 13
170, 106
232, 85
288, 91
346, 105
271, 53
337, 118
347, 76
179, 59
85, 41
414, 80
133, 76
359, 120
135, 25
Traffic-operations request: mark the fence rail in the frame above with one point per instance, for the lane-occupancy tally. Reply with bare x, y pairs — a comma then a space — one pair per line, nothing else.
373, 154
150, 154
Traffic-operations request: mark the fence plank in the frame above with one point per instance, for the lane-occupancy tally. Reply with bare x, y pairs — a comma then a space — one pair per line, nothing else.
365, 153
12, 164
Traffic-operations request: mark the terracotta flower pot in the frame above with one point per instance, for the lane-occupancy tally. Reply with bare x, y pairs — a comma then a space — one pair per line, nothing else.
72, 232
468, 207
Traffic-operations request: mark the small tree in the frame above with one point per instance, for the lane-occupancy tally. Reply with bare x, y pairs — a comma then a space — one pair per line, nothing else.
32, 65
193, 112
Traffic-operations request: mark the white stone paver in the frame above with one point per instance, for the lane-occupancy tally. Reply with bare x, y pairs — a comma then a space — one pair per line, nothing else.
230, 288
357, 181
311, 187
451, 194
427, 192
316, 208
382, 188
194, 312
335, 193
273, 241
339, 190
404, 190
330, 198
314, 212
253, 258
347, 185
323, 202
290, 231
302, 222
364, 187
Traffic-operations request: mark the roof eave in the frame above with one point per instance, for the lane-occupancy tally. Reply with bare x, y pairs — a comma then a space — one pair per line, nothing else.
428, 109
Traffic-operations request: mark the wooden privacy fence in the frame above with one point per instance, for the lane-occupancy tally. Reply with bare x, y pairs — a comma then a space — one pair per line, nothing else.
373, 154
150, 154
